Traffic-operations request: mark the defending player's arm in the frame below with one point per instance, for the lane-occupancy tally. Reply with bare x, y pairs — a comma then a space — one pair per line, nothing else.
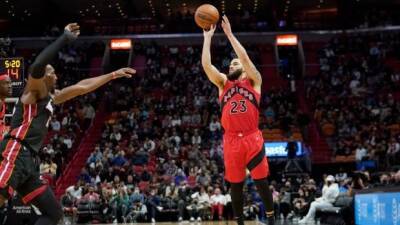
38, 69
240, 51
89, 85
213, 74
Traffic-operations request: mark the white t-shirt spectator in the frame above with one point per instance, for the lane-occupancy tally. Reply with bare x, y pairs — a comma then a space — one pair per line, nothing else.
68, 142
393, 147
116, 136
202, 198
66, 120
149, 145
90, 113
361, 152
55, 124
76, 193
48, 168
214, 126
176, 122
49, 149
196, 139
218, 199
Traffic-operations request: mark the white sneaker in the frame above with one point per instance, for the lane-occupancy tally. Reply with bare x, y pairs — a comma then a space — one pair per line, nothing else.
153, 220
159, 208
180, 219
191, 219
198, 219
306, 221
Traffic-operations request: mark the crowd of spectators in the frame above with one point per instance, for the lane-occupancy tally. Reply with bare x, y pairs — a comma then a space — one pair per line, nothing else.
161, 151
160, 156
162, 143
359, 110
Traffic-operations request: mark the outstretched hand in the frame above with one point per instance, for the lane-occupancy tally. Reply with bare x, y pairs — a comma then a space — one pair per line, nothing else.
73, 30
124, 72
209, 33
226, 26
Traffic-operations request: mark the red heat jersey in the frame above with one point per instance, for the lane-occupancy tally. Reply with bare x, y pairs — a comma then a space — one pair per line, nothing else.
239, 106
2, 120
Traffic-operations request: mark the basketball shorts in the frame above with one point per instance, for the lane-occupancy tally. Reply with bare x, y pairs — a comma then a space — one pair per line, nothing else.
244, 151
19, 171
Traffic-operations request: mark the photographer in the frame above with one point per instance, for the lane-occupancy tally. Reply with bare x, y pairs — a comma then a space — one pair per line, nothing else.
291, 149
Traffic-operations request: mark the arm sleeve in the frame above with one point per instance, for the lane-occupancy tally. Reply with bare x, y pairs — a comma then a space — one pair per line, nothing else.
37, 69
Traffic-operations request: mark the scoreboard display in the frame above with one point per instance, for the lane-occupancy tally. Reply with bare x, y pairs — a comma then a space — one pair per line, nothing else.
14, 67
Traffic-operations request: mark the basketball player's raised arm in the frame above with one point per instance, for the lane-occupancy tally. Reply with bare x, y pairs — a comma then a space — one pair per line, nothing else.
38, 68
89, 85
212, 73
240, 51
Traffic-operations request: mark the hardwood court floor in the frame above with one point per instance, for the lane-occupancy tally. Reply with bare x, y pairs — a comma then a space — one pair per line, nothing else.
211, 223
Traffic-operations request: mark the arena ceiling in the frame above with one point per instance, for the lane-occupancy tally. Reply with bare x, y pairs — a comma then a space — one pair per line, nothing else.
61, 11
40, 9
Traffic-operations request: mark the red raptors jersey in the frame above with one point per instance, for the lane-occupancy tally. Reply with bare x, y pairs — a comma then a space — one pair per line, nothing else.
2, 120
239, 106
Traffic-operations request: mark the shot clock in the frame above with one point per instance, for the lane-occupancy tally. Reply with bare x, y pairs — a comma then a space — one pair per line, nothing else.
14, 67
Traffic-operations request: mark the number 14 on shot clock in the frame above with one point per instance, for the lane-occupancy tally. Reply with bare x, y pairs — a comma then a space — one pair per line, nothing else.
14, 67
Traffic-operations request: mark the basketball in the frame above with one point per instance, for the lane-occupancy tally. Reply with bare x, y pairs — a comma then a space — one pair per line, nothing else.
206, 15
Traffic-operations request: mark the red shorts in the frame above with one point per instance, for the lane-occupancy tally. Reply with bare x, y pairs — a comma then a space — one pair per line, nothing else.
243, 151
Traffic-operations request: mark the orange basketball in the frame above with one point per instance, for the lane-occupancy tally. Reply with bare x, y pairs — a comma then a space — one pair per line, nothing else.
206, 15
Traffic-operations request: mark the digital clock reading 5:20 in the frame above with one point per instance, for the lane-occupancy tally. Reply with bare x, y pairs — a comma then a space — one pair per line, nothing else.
14, 67
12, 63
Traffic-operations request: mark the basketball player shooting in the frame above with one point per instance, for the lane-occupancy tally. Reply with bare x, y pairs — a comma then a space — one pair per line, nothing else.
29, 125
5, 92
239, 96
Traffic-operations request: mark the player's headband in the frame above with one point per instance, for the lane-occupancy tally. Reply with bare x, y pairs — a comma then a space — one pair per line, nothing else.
3, 76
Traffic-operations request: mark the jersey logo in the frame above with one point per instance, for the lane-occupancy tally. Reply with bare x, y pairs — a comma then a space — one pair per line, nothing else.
50, 107
239, 106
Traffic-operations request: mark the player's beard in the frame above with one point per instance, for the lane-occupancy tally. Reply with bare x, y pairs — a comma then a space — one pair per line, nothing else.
235, 75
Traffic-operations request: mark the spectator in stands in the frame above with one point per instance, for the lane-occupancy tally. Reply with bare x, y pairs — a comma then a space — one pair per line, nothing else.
90, 201
153, 202
75, 191
302, 204
275, 199
215, 128
149, 145
217, 201
88, 114
68, 204
138, 212
197, 205
196, 138
250, 209
393, 152
55, 124
184, 194
330, 192
48, 167
361, 153
119, 204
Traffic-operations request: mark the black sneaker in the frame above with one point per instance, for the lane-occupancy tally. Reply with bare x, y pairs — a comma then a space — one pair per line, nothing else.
240, 221
271, 220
